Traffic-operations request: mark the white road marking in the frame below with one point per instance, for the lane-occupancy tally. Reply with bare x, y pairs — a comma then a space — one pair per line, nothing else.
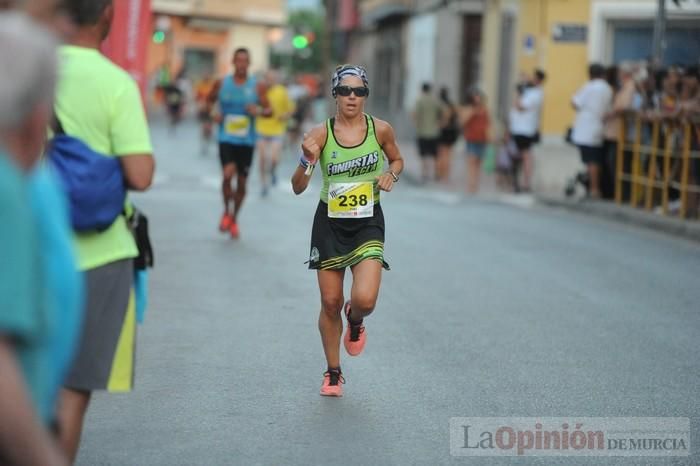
160, 179
211, 181
525, 201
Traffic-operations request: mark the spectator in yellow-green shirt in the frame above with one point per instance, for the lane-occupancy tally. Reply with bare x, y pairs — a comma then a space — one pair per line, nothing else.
100, 104
271, 130
426, 117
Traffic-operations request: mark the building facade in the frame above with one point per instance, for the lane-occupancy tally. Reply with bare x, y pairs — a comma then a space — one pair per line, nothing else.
199, 36
623, 30
489, 44
404, 43
563, 36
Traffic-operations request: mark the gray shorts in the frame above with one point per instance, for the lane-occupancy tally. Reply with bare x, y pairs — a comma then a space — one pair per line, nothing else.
105, 356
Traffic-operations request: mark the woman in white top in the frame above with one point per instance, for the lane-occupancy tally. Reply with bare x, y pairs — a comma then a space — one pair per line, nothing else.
592, 102
525, 123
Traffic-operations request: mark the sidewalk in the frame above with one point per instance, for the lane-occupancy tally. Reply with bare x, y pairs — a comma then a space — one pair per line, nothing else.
555, 163
689, 229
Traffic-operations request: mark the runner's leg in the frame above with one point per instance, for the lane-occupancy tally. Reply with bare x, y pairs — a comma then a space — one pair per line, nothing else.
239, 195
366, 278
243, 160
263, 147
276, 147
330, 323
229, 171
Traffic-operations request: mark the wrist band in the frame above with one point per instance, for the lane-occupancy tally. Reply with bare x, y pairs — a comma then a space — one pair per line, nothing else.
306, 165
393, 175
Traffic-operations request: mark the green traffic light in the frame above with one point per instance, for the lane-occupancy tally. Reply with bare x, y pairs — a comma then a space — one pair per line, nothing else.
300, 42
159, 37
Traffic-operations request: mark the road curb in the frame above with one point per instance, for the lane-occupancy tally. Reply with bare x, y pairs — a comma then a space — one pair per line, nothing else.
625, 214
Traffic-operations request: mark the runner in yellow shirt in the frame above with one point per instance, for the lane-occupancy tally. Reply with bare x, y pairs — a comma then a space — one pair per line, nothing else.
271, 130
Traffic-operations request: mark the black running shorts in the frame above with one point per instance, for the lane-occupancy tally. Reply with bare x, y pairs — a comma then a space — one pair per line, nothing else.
337, 243
241, 156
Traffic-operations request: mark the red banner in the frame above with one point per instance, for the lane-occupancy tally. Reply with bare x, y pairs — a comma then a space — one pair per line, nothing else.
127, 44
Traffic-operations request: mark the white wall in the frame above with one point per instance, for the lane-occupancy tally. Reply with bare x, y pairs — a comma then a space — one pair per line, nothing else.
254, 38
420, 55
448, 51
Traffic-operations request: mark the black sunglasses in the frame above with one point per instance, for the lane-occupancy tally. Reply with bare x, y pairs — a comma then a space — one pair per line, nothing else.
347, 90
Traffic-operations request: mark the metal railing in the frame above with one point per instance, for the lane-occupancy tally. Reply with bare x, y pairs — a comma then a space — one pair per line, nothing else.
656, 156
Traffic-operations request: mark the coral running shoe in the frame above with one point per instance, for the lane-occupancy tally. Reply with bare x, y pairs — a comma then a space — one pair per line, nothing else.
233, 229
332, 381
225, 223
355, 337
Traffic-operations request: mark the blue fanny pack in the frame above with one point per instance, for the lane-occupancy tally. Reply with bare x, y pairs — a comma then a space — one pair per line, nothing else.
93, 182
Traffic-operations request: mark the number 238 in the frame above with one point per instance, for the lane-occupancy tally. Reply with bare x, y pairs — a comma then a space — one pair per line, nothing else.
352, 200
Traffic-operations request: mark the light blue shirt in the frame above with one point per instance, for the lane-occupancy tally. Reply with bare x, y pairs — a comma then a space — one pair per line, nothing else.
22, 316
237, 127
64, 287
40, 290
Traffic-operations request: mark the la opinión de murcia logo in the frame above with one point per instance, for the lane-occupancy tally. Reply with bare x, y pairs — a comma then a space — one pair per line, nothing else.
597, 437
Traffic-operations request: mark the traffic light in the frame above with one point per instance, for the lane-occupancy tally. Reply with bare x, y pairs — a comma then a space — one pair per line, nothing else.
300, 42
159, 37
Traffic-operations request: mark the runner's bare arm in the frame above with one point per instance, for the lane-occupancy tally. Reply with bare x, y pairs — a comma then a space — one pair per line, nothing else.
311, 149
387, 139
264, 101
264, 109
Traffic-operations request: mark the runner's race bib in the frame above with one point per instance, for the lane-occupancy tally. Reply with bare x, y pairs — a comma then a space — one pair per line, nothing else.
351, 200
237, 125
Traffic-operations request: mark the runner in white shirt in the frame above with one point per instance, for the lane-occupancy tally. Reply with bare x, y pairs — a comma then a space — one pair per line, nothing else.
592, 102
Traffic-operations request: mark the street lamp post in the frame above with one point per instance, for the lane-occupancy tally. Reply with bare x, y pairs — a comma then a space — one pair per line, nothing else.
659, 35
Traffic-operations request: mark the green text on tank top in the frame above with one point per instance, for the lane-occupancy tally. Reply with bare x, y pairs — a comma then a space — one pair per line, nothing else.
362, 163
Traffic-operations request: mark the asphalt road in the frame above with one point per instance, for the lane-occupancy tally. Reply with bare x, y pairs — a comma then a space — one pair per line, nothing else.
489, 310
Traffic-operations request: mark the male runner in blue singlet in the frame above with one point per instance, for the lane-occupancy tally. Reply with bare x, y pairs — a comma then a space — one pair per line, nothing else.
240, 99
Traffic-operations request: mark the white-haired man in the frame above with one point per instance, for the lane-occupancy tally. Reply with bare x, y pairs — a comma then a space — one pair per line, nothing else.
32, 337
50, 13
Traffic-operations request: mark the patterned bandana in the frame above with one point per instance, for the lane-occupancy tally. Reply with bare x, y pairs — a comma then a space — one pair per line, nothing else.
349, 70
